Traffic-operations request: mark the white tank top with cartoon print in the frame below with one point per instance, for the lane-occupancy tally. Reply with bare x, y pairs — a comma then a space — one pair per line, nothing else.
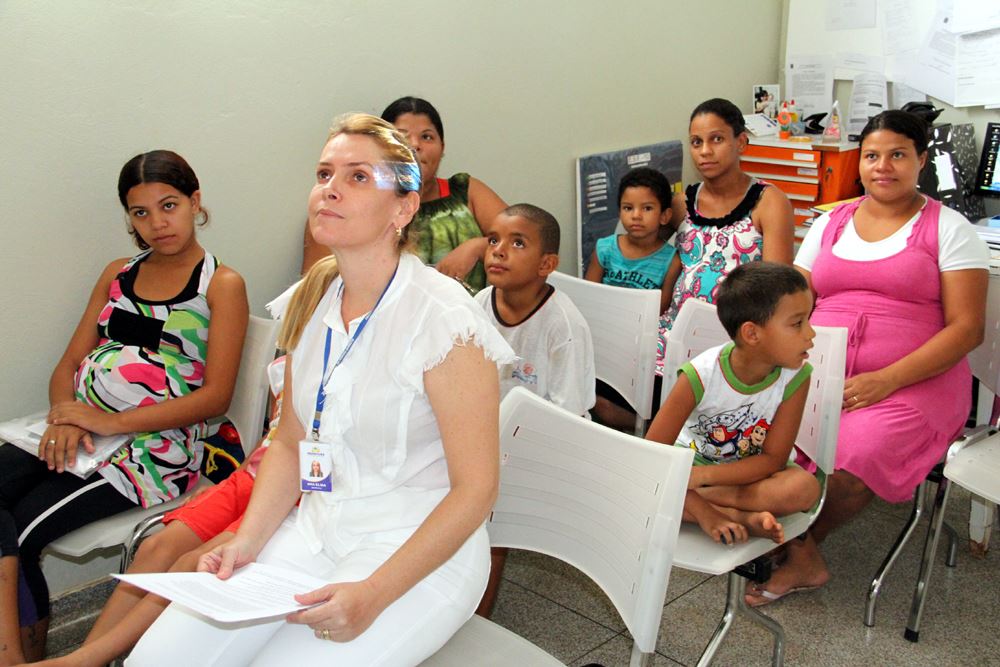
730, 420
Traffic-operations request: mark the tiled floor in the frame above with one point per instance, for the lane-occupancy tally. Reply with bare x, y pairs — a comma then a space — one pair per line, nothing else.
559, 609
556, 607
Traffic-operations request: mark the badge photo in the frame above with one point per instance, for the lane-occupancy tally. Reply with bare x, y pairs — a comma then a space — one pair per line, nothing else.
315, 466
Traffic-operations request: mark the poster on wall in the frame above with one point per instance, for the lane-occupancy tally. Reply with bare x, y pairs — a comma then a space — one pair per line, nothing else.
597, 178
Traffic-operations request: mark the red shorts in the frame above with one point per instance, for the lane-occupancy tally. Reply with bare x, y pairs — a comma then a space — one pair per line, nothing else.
216, 510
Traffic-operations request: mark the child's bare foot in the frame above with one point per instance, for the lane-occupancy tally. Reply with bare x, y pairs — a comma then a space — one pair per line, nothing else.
759, 524
763, 524
720, 527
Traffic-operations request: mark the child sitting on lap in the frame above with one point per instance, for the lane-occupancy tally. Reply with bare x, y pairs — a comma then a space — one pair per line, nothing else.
555, 355
639, 259
740, 404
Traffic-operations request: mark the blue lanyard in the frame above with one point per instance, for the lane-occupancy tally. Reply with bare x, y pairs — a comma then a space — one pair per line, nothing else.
325, 377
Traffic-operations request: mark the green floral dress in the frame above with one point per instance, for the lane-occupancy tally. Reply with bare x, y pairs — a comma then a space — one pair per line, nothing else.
445, 223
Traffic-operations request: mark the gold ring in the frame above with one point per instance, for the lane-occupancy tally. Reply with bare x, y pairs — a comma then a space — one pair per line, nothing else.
51, 442
854, 398
326, 634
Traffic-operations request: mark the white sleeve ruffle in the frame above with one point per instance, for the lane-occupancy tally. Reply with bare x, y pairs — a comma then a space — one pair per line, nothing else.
443, 329
277, 306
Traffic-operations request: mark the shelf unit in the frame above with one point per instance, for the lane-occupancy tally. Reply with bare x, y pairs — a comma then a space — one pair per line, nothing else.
808, 173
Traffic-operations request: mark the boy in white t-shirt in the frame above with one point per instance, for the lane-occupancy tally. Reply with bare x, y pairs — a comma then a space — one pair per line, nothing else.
740, 405
555, 354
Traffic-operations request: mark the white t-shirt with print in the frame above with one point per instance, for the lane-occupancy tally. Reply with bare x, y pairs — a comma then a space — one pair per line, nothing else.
730, 420
555, 354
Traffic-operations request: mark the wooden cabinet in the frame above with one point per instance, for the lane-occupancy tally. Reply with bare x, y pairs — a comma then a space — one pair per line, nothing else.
809, 174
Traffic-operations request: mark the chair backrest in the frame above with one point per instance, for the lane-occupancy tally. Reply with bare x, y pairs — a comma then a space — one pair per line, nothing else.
985, 359
249, 403
624, 325
697, 328
608, 503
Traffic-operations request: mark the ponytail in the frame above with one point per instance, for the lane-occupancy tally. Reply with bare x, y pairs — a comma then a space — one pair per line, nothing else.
305, 300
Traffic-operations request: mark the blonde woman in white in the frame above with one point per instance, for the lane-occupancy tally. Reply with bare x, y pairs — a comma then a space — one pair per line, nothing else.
400, 537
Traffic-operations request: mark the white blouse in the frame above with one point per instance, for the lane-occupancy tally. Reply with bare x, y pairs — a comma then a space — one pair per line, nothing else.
389, 465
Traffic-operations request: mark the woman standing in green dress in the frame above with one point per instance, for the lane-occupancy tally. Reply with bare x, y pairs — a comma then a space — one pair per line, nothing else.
454, 212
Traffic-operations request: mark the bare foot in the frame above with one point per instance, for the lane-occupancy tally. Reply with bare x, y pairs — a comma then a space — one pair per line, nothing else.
804, 569
759, 524
720, 527
763, 524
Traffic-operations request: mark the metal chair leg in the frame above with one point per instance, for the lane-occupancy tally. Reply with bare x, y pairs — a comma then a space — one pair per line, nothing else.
138, 534
640, 659
640, 427
912, 632
951, 558
875, 587
735, 604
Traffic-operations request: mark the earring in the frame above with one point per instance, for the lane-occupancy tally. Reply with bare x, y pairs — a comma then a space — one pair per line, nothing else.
399, 232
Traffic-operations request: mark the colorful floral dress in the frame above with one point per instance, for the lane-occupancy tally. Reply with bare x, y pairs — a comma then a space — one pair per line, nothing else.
149, 352
709, 248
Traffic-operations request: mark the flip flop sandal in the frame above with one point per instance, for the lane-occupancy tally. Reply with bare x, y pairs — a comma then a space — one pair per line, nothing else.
767, 597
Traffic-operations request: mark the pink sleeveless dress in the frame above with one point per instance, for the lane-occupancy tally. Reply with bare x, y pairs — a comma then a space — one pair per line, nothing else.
891, 307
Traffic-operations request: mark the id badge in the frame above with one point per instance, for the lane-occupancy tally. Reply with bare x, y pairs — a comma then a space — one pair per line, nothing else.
315, 466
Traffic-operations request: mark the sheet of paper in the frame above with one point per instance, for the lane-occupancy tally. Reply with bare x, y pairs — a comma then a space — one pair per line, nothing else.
847, 64
899, 26
974, 15
900, 94
977, 69
760, 125
934, 69
255, 592
943, 167
26, 433
850, 14
809, 80
868, 98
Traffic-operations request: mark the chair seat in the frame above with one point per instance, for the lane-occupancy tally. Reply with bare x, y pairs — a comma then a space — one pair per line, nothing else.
114, 531
977, 468
697, 551
482, 643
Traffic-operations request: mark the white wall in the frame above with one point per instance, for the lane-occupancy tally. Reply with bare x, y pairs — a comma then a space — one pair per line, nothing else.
245, 91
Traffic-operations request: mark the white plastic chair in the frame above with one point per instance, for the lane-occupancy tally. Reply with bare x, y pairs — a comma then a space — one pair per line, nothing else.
696, 329
605, 502
972, 461
624, 325
246, 410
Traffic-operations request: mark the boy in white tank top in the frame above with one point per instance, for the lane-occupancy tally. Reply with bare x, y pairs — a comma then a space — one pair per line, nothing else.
740, 405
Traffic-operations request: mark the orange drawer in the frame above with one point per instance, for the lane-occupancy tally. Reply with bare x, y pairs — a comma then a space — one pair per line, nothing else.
783, 171
798, 193
795, 157
801, 212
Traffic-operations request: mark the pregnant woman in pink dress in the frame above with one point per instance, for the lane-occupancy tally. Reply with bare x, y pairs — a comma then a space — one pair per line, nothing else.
907, 278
